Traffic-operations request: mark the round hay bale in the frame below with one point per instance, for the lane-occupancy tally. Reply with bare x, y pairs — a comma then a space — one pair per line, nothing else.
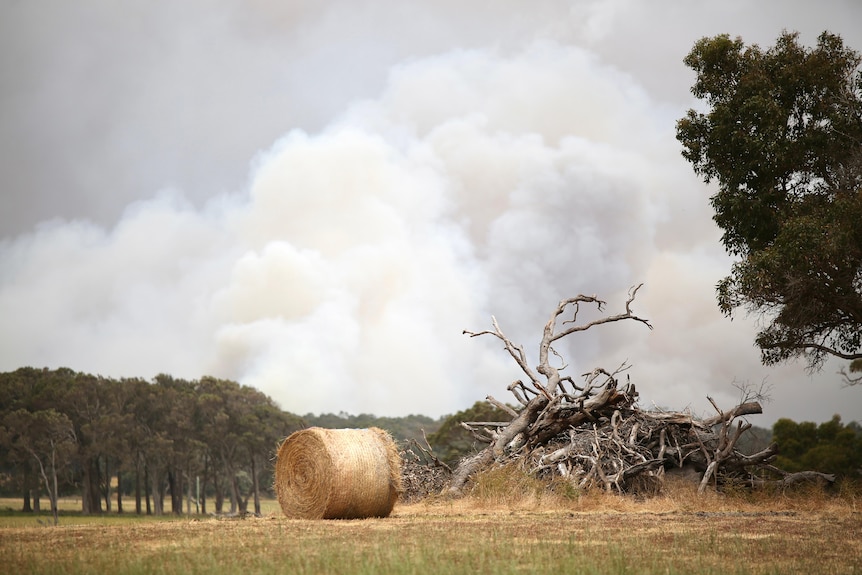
338, 474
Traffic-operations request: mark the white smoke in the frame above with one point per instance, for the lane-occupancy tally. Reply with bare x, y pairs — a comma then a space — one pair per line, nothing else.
489, 180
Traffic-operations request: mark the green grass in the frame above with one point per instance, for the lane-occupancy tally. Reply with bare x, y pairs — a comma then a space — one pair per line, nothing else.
70, 514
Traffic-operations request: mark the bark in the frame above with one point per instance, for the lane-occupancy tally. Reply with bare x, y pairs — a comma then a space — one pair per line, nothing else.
147, 488
176, 492
594, 434
91, 499
507, 436
27, 490
239, 504
549, 405
48, 471
107, 485
55, 508
158, 494
793, 478
189, 491
255, 487
219, 494
119, 491
204, 485
137, 491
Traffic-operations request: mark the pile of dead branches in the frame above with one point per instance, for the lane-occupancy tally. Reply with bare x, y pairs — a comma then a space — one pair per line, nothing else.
593, 433
422, 473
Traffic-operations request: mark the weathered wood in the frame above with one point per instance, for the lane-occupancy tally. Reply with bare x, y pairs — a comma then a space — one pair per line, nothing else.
565, 409
748, 408
595, 434
794, 478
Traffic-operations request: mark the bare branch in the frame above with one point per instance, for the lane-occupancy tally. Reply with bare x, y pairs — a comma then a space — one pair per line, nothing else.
749, 408
513, 387
429, 453
613, 318
517, 353
502, 406
819, 347
848, 379
593, 433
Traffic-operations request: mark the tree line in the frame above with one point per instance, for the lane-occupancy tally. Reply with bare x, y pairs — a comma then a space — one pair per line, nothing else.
66, 432
209, 444
831, 447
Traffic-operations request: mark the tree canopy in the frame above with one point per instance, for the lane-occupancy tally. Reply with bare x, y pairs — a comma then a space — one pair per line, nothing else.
452, 441
782, 138
831, 447
65, 432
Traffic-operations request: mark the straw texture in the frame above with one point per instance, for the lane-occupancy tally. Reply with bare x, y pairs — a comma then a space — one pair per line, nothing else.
338, 474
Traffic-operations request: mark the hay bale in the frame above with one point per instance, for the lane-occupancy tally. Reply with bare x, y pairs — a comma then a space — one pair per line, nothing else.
338, 474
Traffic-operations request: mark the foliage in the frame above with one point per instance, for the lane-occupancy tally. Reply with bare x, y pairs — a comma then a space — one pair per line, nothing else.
164, 434
782, 137
754, 440
451, 441
830, 447
401, 428
45, 435
154, 439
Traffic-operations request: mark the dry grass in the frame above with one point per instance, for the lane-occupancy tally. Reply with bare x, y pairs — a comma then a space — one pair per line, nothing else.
508, 487
677, 498
519, 530
338, 474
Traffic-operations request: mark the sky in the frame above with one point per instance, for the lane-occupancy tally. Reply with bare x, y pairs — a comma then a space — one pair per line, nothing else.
316, 198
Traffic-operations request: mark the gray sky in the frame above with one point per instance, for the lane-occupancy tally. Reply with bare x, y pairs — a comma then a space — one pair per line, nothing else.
316, 198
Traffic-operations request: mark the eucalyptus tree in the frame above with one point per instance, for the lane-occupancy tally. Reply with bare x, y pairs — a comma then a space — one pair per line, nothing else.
48, 437
87, 403
262, 425
218, 412
782, 138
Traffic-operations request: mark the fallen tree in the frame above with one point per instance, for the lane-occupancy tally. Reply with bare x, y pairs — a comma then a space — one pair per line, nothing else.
594, 434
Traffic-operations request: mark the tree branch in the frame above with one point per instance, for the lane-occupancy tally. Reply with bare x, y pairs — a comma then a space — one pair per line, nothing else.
818, 347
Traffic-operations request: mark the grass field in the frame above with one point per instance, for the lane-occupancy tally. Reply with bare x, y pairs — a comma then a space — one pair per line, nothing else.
805, 532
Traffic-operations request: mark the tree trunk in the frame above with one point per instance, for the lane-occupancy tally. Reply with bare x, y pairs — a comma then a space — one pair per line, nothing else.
27, 488
107, 490
137, 490
470, 466
147, 488
256, 486
234, 494
177, 496
189, 494
158, 494
86, 498
203, 493
794, 478
119, 491
91, 499
176, 509
54, 492
219, 494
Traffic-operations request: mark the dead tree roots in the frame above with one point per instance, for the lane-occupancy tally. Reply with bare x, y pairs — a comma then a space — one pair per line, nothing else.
592, 432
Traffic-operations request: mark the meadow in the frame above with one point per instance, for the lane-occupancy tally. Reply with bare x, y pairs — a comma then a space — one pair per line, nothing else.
489, 532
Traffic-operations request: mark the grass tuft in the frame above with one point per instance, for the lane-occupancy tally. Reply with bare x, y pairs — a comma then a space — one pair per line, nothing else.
510, 523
